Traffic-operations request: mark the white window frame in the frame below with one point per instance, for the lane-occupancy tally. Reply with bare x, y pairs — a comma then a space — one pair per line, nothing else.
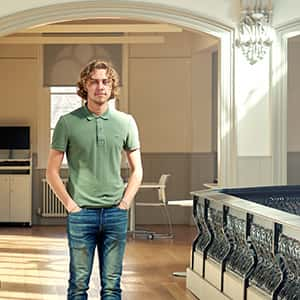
64, 92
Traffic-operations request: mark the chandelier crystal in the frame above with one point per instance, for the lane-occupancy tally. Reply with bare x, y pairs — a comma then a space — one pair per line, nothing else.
255, 32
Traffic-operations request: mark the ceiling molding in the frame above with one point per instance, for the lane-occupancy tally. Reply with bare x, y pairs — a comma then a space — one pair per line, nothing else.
97, 28
83, 40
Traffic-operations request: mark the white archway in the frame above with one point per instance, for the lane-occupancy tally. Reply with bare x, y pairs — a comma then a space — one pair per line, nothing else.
279, 97
227, 154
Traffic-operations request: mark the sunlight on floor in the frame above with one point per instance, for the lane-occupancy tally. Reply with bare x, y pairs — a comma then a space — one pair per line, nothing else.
36, 268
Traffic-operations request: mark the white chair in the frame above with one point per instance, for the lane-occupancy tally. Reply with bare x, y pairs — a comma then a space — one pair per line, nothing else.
162, 202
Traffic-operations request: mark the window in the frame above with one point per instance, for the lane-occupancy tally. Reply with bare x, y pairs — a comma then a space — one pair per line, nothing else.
63, 100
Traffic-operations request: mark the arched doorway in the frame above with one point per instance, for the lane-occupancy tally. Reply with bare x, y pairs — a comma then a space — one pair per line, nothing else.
155, 12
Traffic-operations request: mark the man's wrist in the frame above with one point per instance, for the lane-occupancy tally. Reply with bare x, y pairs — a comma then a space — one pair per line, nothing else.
125, 204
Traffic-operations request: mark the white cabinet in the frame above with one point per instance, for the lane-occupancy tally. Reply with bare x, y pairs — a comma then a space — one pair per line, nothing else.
15, 194
20, 198
4, 198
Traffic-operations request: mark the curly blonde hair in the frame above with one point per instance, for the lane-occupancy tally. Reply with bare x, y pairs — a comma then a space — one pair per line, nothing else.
87, 72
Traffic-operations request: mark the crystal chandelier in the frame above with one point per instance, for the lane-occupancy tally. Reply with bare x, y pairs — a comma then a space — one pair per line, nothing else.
255, 31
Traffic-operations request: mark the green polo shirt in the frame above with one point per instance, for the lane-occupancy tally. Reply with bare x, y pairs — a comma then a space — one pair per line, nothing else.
93, 145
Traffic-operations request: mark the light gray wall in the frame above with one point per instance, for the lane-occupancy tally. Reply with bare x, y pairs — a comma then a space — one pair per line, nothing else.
188, 173
293, 168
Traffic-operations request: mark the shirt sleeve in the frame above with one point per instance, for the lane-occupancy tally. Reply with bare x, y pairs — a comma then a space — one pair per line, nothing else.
60, 137
132, 141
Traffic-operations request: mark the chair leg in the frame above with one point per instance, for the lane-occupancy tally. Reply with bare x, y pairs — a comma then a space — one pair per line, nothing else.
150, 235
171, 234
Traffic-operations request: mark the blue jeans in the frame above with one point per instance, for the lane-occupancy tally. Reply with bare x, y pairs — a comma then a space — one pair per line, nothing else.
106, 229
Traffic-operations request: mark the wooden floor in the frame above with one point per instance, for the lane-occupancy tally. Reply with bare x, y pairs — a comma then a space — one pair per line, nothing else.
34, 265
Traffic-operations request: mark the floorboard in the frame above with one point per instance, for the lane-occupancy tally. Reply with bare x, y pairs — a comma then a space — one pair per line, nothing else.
34, 265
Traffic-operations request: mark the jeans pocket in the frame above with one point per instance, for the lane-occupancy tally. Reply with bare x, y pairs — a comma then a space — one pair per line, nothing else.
121, 209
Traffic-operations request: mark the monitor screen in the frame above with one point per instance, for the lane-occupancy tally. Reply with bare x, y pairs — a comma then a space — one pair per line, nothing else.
14, 137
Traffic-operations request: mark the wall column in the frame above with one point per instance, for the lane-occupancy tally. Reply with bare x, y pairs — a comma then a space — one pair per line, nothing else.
253, 119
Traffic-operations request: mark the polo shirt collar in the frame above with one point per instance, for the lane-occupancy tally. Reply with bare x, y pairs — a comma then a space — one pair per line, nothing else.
91, 116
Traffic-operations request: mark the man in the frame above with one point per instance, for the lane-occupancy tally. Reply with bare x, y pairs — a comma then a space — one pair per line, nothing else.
93, 138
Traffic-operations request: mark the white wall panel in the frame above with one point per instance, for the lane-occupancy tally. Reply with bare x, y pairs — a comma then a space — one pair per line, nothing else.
253, 109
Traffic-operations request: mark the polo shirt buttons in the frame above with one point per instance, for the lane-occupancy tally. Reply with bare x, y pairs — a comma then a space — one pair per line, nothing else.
101, 141
99, 132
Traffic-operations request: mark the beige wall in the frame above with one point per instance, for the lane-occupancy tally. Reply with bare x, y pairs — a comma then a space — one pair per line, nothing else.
170, 93
293, 107
201, 113
19, 87
160, 99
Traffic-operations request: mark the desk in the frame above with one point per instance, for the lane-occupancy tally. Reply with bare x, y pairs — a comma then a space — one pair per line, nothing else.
184, 203
146, 185
212, 185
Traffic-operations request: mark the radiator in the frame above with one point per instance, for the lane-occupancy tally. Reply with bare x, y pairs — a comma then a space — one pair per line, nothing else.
52, 207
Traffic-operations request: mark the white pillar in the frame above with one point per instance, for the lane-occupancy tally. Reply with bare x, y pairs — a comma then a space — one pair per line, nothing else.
253, 121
